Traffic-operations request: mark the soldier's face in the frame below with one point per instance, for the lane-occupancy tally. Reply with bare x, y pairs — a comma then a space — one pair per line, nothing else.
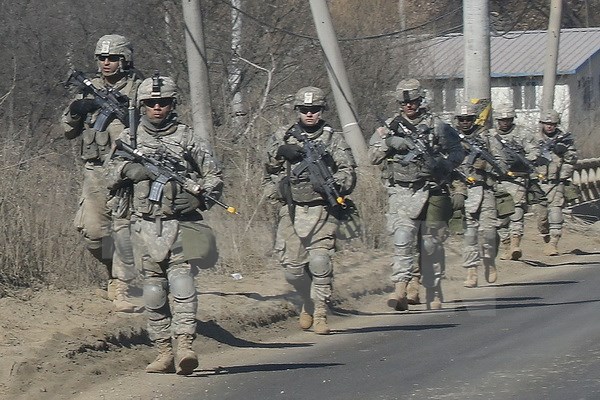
158, 109
310, 115
548, 128
504, 124
411, 108
109, 65
465, 123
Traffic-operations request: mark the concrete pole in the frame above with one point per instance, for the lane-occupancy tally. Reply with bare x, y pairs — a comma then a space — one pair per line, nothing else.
197, 69
476, 23
338, 79
551, 54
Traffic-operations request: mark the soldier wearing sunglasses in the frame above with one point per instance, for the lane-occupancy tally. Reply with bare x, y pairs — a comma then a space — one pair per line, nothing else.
103, 215
306, 232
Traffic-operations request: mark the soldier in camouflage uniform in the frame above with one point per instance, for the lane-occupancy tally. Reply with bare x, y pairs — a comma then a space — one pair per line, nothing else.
419, 204
103, 215
169, 236
480, 204
520, 181
558, 157
305, 239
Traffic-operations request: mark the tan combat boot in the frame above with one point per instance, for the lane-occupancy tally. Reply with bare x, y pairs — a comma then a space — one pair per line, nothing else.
515, 248
412, 291
551, 248
397, 300
187, 360
471, 280
505, 249
320, 319
120, 301
491, 274
434, 298
306, 319
164, 362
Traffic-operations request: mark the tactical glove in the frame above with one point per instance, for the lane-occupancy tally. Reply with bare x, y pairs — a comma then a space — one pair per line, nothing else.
458, 201
291, 152
136, 172
480, 164
186, 202
83, 107
397, 143
560, 149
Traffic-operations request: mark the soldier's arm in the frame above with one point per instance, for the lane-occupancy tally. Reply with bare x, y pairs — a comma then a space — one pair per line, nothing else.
72, 124
345, 176
451, 144
211, 176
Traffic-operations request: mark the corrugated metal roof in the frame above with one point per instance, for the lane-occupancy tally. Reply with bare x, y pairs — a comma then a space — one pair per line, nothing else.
516, 53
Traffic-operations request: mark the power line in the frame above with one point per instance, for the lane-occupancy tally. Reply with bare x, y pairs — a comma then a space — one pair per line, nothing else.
370, 37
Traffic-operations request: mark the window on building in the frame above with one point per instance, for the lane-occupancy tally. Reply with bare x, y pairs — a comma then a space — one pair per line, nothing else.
586, 90
517, 91
529, 96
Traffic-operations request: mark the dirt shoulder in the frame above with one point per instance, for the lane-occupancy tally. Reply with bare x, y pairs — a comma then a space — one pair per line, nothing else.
56, 344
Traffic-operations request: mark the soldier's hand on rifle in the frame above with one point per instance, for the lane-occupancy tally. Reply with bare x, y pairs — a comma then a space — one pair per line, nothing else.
83, 106
560, 149
291, 152
397, 143
480, 164
186, 202
136, 172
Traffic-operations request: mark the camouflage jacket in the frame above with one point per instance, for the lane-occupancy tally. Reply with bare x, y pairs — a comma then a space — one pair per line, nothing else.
517, 139
553, 166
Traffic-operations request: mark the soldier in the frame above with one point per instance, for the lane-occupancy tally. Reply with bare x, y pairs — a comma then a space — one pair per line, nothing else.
102, 217
519, 151
168, 229
480, 205
417, 153
305, 238
557, 159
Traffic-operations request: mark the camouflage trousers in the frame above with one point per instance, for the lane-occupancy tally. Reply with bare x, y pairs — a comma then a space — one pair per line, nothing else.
550, 217
418, 244
107, 237
166, 271
480, 232
304, 247
513, 225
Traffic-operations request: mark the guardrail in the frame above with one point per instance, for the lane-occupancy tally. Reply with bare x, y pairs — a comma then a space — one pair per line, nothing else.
587, 177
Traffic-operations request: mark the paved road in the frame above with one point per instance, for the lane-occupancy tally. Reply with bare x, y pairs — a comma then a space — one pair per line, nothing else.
536, 340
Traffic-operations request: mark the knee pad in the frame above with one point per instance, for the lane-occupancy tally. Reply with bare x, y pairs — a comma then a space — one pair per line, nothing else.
320, 267
294, 273
430, 244
181, 283
555, 216
155, 293
518, 214
403, 237
470, 236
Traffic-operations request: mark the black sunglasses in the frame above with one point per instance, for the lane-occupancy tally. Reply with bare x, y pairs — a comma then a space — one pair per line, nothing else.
463, 119
111, 58
309, 109
162, 102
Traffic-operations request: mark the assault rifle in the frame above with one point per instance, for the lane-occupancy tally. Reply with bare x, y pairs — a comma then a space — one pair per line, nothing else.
548, 145
476, 150
319, 174
515, 154
113, 104
164, 167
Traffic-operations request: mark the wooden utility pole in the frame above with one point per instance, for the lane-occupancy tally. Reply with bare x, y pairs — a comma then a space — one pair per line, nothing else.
338, 79
197, 69
476, 28
550, 67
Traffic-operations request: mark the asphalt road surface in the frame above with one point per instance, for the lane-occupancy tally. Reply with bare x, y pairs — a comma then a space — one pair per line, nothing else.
538, 338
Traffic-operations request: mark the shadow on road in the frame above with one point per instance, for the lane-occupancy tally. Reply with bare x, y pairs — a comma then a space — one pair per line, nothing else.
543, 283
250, 295
242, 369
211, 329
502, 306
387, 328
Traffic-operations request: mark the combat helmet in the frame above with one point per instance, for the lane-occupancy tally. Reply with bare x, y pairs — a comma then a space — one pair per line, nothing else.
157, 87
409, 90
550, 117
504, 111
119, 45
310, 96
467, 109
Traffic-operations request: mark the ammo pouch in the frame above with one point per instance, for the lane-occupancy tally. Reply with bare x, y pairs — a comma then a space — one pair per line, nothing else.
303, 192
572, 193
505, 204
94, 145
199, 243
349, 222
439, 209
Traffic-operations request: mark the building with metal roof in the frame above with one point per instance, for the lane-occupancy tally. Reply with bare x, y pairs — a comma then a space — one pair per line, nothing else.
517, 67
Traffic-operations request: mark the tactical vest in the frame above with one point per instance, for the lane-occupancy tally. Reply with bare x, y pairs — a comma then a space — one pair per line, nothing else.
96, 145
301, 188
